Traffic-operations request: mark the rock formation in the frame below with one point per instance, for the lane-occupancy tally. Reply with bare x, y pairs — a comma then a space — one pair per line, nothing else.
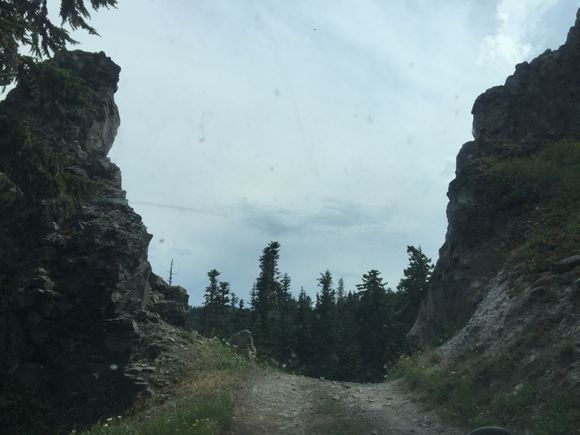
80, 310
507, 282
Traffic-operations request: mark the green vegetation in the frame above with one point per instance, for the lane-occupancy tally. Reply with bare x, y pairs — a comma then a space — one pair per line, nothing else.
203, 403
476, 397
544, 186
25, 23
60, 84
341, 335
39, 170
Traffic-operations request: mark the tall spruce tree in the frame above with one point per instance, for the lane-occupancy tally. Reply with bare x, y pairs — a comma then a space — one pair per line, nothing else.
377, 334
286, 342
303, 323
266, 312
211, 303
325, 333
413, 287
223, 311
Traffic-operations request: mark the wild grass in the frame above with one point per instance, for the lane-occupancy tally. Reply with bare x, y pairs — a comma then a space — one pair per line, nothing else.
544, 185
203, 403
469, 399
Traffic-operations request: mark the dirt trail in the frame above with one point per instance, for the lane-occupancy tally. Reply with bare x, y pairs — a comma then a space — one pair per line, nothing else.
277, 403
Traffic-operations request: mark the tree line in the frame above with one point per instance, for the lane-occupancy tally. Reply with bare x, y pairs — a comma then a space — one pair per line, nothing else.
343, 335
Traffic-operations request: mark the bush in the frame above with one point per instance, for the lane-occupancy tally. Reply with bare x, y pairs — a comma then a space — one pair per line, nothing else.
468, 399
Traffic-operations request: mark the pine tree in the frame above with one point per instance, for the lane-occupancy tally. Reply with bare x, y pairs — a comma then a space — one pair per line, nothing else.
223, 311
325, 334
340, 295
211, 304
303, 320
286, 342
377, 335
26, 23
266, 310
413, 287
349, 353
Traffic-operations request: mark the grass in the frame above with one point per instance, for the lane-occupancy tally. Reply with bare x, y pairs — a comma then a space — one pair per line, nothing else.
483, 396
202, 405
544, 185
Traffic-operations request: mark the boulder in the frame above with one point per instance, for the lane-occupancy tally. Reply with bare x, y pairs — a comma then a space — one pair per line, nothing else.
243, 344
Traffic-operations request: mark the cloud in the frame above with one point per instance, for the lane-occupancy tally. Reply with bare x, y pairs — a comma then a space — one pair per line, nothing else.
329, 126
517, 20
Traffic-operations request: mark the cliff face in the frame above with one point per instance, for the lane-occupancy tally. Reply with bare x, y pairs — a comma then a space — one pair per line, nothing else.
80, 309
507, 281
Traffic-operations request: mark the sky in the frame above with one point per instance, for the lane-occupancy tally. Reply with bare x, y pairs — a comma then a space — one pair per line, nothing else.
330, 126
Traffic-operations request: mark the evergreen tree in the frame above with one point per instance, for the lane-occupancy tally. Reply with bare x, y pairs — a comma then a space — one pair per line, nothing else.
349, 358
325, 334
303, 325
286, 342
340, 295
223, 311
376, 329
210, 307
266, 313
27, 23
413, 287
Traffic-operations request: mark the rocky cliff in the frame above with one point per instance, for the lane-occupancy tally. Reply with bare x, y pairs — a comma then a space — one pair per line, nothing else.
507, 283
83, 320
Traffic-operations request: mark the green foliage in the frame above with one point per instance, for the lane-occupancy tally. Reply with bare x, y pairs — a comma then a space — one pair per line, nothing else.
26, 23
62, 86
413, 287
38, 170
204, 407
468, 399
544, 185
266, 319
189, 416
353, 336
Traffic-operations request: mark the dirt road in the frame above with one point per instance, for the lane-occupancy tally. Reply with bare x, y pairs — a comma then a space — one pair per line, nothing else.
277, 403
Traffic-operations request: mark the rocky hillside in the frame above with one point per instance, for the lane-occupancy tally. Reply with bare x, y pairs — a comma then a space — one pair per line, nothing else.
507, 283
84, 324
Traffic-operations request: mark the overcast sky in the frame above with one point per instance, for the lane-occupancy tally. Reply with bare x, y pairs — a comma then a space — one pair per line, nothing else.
330, 126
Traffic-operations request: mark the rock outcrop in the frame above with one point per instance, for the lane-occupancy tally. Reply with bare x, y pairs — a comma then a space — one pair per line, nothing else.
506, 285
80, 309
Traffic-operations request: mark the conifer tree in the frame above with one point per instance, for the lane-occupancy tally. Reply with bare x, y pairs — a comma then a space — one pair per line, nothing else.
223, 311
376, 330
266, 313
26, 23
286, 342
413, 287
325, 332
303, 324
210, 308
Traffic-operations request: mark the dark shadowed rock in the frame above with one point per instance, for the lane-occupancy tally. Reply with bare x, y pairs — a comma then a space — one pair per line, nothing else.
79, 304
504, 296
568, 263
538, 104
539, 101
243, 343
